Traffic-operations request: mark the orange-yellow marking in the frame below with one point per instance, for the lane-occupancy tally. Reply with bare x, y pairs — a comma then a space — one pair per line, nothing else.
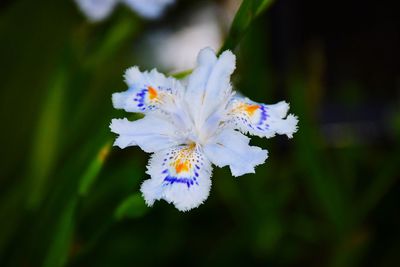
182, 163
182, 166
250, 109
152, 92
243, 107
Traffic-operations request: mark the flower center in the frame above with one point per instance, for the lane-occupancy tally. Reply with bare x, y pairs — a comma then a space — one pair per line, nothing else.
182, 163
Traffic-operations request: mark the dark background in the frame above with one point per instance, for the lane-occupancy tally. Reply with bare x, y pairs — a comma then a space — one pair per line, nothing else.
327, 197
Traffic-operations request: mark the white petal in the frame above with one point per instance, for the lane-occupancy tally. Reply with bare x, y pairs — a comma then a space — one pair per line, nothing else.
197, 81
218, 84
206, 60
147, 91
260, 119
96, 10
180, 176
232, 148
209, 86
149, 8
151, 133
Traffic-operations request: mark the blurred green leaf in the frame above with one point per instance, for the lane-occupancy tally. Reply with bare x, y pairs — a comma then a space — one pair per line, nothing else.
30, 57
46, 139
131, 207
182, 74
93, 169
262, 6
60, 247
247, 13
116, 37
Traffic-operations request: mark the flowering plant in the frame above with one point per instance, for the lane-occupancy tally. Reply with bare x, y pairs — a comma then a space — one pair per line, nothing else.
190, 126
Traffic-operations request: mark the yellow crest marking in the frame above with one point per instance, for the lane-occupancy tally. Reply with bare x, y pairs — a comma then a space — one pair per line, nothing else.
250, 109
152, 92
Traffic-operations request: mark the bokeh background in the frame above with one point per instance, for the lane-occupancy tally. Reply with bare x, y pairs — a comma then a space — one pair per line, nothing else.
328, 197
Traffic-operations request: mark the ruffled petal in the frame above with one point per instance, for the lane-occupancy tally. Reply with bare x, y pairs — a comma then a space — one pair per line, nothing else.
147, 91
232, 148
180, 176
152, 133
209, 85
96, 10
148, 8
260, 119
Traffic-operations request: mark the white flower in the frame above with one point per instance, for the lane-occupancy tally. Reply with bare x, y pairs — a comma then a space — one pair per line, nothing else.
189, 127
97, 10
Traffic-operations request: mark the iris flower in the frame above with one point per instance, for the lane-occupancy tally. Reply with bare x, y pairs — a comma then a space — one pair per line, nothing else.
97, 10
191, 126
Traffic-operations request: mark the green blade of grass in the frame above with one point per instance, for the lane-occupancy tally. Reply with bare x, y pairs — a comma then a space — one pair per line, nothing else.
131, 207
93, 170
115, 38
46, 139
247, 13
59, 249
